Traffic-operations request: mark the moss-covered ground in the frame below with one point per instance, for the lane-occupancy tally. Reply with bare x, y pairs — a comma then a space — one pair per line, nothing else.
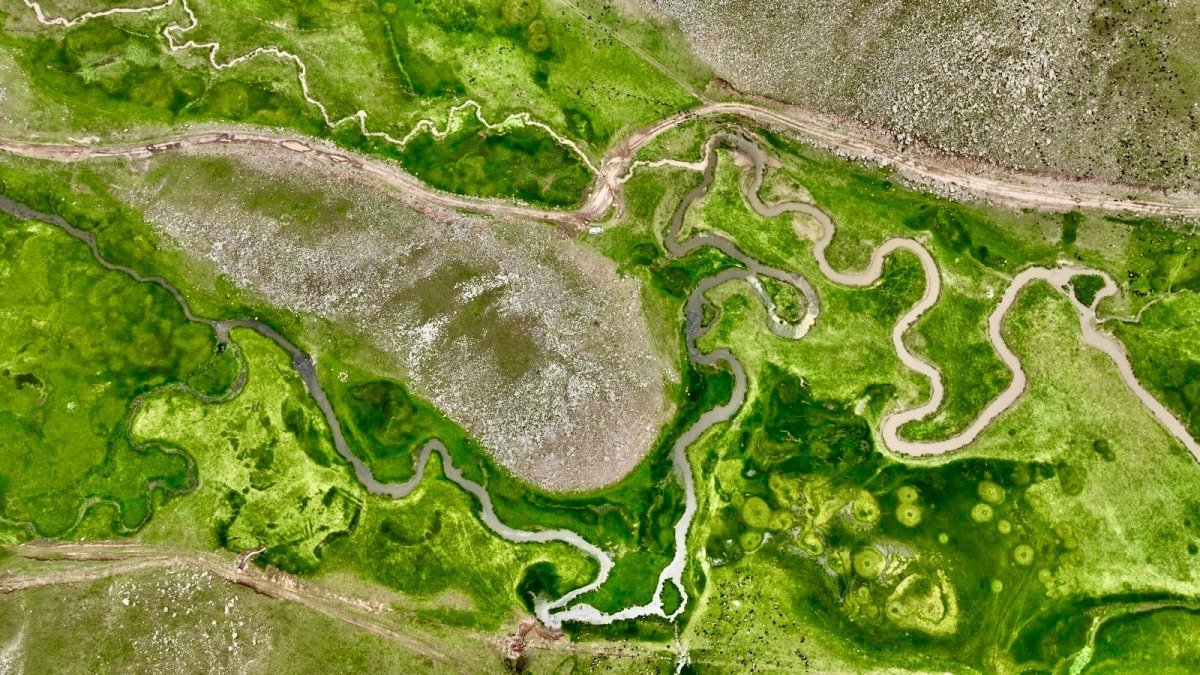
68, 387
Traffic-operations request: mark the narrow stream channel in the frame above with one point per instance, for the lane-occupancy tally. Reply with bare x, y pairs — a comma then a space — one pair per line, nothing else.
555, 613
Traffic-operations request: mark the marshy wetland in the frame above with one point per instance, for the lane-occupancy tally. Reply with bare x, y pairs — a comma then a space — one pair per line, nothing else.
565, 368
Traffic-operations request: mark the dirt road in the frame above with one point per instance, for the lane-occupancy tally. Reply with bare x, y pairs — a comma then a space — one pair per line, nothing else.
71, 563
1008, 189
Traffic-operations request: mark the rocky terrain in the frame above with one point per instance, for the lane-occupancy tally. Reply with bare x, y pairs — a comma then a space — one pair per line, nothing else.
1101, 89
528, 339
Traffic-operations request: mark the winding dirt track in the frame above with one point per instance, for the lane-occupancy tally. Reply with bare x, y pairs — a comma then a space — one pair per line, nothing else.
1045, 194
1009, 188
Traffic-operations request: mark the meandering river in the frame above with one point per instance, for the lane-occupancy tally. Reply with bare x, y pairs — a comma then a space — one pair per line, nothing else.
555, 612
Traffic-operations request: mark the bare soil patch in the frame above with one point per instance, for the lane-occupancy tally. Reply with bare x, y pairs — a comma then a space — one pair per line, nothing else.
531, 341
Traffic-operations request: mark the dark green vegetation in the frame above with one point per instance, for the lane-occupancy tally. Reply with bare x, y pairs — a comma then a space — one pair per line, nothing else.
1164, 348
268, 475
891, 557
465, 162
67, 387
401, 62
823, 548
976, 248
1162, 641
818, 549
789, 303
1085, 288
634, 519
270, 478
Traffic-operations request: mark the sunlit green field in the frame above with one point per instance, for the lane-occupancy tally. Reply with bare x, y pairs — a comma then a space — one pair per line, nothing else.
1064, 538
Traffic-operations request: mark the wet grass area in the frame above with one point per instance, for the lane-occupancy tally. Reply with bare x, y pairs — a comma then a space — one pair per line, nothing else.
813, 547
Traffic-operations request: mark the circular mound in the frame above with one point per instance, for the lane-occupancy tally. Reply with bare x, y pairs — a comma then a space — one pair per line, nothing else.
1023, 555
907, 494
982, 513
756, 513
518, 12
909, 515
865, 509
925, 603
1004, 527
538, 42
990, 492
868, 563
750, 540
781, 520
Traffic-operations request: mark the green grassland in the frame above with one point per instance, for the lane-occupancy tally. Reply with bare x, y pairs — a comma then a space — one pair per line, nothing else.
977, 250
268, 475
1164, 641
992, 539
1163, 346
1121, 478
860, 335
1013, 565
251, 468
400, 62
408, 58
253, 488
820, 551
815, 548
68, 387
270, 478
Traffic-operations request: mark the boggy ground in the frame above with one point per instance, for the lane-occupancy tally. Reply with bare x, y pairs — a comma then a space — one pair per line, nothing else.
795, 495
821, 548
531, 341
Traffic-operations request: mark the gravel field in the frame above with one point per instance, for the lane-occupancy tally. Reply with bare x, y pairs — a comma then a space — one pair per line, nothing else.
524, 336
1104, 89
